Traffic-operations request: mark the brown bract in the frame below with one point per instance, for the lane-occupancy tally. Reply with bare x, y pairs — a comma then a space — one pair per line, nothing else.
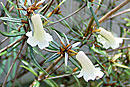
67, 49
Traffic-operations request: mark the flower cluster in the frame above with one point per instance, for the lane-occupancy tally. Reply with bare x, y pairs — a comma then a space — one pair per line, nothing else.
38, 36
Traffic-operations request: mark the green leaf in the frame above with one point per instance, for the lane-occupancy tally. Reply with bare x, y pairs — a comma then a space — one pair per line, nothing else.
11, 19
51, 83
110, 69
65, 23
121, 65
96, 58
39, 53
127, 72
116, 57
6, 11
89, 4
98, 51
53, 47
7, 34
95, 17
35, 61
10, 49
29, 68
36, 84
53, 57
61, 34
3, 53
76, 24
100, 4
128, 32
74, 62
55, 43
2, 66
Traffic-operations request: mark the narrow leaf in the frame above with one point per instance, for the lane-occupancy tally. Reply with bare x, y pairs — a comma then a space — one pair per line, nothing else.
53, 57
122, 66
95, 17
12, 34
35, 61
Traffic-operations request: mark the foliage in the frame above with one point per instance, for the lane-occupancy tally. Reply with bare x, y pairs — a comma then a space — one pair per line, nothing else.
56, 65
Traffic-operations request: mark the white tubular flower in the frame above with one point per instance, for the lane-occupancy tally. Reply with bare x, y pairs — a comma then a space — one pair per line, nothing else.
108, 40
88, 71
39, 37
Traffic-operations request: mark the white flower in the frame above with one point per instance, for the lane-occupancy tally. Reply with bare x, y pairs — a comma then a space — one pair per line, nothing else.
88, 71
39, 37
108, 40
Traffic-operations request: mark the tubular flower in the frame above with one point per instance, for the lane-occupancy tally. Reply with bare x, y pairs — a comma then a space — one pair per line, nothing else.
88, 71
108, 40
39, 36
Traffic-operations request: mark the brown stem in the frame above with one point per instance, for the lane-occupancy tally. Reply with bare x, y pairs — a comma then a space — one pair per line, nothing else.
13, 85
6, 38
12, 65
113, 11
50, 67
91, 21
57, 67
12, 44
18, 7
119, 13
48, 7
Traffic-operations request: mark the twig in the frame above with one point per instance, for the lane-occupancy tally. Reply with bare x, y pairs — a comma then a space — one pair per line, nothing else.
48, 7
119, 13
110, 50
12, 65
91, 21
18, 7
49, 68
13, 84
40, 77
113, 11
67, 16
12, 44
61, 76
57, 67
6, 38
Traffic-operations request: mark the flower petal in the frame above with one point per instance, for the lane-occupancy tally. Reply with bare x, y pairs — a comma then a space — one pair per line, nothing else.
31, 41
88, 71
80, 74
108, 40
29, 34
48, 37
100, 74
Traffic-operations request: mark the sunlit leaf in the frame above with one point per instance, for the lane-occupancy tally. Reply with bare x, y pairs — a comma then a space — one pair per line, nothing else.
116, 57
36, 84
121, 65
98, 51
